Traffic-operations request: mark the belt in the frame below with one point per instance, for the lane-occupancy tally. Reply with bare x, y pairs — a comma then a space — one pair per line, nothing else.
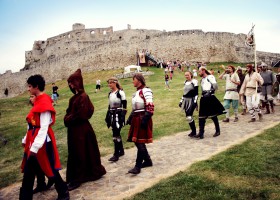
235, 90
140, 110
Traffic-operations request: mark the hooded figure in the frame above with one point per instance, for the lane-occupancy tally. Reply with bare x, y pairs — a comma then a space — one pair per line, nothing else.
84, 162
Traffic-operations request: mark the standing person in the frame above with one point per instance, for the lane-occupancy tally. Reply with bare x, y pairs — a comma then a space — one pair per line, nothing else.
231, 95
209, 105
242, 98
54, 94
249, 89
171, 71
166, 78
140, 119
189, 100
194, 73
37, 156
98, 85
41, 185
115, 117
266, 97
83, 162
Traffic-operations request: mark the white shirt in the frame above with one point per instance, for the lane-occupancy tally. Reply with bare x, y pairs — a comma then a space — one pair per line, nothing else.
45, 121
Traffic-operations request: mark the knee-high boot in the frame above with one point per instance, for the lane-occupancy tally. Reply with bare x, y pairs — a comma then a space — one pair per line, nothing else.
120, 147
115, 157
267, 108
217, 126
193, 128
272, 106
201, 123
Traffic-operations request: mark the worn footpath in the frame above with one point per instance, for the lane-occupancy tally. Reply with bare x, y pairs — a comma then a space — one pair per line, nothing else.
170, 155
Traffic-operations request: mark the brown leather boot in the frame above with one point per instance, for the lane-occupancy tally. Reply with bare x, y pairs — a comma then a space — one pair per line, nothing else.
267, 109
243, 112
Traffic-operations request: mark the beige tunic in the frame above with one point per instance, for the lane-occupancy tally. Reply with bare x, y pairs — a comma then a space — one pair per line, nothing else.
250, 83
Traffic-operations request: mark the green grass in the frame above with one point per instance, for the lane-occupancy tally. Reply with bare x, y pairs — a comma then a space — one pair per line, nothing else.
168, 119
247, 171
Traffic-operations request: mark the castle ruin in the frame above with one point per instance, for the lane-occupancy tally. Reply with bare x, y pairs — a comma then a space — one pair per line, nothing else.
103, 49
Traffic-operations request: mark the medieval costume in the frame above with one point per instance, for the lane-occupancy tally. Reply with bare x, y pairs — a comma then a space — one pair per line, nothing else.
209, 105
266, 89
188, 102
115, 117
40, 119
250, 89
141, 129
231, 95
84, 162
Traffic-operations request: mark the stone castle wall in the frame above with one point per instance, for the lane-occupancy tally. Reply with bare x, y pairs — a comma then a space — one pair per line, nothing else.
103, 49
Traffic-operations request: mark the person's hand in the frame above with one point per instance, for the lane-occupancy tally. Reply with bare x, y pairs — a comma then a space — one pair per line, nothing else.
32, 153
180, 104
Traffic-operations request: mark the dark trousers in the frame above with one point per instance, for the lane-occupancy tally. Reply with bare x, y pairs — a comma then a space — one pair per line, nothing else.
32, 168
142, 154
202, 124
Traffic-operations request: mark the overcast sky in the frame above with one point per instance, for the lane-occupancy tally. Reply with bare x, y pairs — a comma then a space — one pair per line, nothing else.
24, 21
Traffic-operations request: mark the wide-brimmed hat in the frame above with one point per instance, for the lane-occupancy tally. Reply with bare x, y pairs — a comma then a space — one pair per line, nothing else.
206, 71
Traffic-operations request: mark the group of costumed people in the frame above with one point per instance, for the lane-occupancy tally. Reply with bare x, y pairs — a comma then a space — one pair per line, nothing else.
251, 89
41, 157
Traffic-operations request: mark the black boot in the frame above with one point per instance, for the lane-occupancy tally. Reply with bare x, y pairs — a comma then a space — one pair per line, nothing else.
115, 157
272, 106
217, 126
121, 150
201, 128
193, 128
147, 163
267, 109
147, 160
135, 170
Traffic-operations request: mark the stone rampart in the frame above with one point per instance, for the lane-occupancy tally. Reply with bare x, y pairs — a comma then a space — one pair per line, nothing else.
103, 49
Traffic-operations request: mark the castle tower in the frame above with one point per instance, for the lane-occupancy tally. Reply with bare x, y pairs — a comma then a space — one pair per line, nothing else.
78, 26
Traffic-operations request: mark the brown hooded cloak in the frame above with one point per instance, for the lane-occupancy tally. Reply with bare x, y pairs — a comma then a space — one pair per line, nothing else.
84, 162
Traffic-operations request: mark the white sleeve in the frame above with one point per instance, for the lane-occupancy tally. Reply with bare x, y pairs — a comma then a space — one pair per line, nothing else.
122, 95
212, 79
45, 119
148, 95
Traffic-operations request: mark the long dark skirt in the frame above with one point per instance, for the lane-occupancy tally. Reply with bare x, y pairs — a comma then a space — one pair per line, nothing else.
84, 162
210, 107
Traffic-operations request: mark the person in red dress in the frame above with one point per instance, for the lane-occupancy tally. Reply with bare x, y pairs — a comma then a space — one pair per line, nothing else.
37, 156
141, 124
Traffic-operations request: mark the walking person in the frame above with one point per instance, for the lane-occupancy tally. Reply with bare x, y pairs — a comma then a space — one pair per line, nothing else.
115, 117
188, 101
166, 79
231, 95
250, 89
242, 98
98, 85
266, 97
37, 155
54, 94
83, 162
141, 124
41, 184
209, 105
